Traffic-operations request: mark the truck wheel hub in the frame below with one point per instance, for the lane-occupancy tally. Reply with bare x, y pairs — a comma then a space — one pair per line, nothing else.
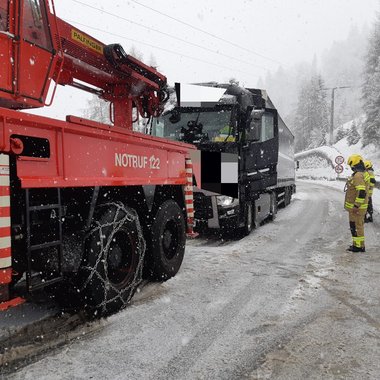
169, 239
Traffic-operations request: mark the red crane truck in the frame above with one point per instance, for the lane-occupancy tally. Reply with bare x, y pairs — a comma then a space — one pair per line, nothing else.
90, 206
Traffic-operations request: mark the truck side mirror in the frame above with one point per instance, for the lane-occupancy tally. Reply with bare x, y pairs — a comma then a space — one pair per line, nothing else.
257, 114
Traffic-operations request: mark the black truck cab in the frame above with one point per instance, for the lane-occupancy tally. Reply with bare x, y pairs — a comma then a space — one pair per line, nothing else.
238, 141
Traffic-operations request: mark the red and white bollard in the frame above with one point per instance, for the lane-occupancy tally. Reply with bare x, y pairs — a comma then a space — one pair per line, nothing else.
5, 237
189, 199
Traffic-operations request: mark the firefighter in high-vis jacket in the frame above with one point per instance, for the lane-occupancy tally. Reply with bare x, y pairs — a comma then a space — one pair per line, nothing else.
356, 202
371, 183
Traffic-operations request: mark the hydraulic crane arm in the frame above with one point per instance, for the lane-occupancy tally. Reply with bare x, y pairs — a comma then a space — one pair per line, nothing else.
40, 48
103, 65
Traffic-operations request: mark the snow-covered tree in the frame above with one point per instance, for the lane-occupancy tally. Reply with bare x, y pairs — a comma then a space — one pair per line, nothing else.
134, 52
153, 61
353, 135
311, 117
340, 133
97, 110
341, 64
371, 88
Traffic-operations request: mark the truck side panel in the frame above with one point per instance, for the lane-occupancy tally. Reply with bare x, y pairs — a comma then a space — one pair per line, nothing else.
67, 154
285, 166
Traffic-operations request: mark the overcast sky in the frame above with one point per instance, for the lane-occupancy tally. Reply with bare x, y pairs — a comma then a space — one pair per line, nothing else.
262, 35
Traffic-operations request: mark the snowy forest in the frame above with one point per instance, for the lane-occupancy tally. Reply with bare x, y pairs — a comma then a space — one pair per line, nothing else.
350, 68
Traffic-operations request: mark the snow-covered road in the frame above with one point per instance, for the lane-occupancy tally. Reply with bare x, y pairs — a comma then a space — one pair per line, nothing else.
286, 302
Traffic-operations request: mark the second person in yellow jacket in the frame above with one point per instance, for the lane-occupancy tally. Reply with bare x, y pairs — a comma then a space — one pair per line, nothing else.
370, 179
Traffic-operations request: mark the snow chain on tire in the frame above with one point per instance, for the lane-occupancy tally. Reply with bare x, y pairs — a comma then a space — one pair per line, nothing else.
122, 214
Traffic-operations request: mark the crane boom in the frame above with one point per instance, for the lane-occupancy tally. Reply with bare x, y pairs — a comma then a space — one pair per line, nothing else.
40, 48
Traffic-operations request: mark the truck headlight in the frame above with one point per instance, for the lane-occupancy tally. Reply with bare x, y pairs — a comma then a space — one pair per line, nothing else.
224, 201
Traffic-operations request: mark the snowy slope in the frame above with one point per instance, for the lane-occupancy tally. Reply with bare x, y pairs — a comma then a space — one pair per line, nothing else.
325, 151
368, 152
317, 163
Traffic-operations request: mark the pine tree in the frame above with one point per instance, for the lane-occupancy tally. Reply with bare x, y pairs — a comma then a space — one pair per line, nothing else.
97, 110
301, 120
311, 119
353, 136
371, 88
340, 65
134, 52
340, 133
153, 61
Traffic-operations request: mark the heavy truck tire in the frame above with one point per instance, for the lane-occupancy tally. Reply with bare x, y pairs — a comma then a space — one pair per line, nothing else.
287, 196
273, 206
166, 246
111, 268
249, 219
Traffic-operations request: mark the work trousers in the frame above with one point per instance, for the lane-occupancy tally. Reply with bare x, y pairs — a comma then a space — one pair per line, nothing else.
357, 229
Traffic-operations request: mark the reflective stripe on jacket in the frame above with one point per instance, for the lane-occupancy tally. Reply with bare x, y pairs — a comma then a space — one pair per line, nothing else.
371, 181
357, 193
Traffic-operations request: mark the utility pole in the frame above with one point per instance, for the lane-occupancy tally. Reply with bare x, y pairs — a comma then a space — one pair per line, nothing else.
331, 131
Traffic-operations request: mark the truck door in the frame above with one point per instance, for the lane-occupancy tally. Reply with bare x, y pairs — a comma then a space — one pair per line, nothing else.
29, 54
36, 52
260, 150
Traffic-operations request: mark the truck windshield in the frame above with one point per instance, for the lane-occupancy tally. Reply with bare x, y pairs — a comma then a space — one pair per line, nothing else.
206, 125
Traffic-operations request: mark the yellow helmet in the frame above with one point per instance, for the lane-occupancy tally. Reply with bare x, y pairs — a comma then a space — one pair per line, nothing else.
367, 164
354, 159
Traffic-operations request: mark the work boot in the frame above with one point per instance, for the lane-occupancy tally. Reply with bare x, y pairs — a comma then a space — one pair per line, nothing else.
353, 248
